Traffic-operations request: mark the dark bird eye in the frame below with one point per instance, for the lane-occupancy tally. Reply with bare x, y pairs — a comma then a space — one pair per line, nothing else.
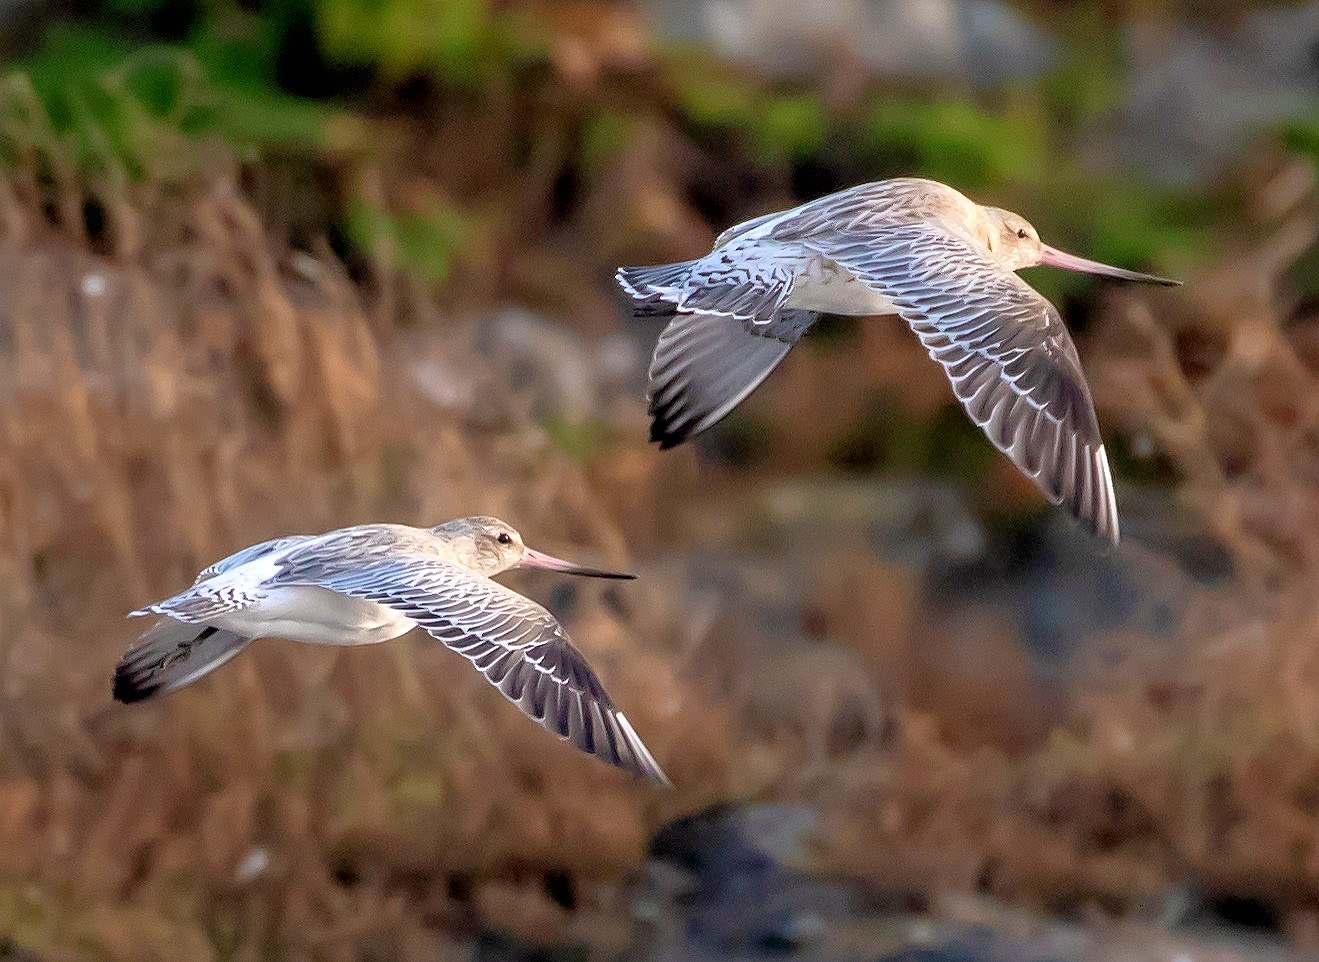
1021, 232
505, 538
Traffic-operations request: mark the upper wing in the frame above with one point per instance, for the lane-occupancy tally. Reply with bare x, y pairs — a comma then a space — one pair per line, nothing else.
737, 230
249, 554
743, 281
705, 365
211, 595
518, 645
1004, 347
222, 589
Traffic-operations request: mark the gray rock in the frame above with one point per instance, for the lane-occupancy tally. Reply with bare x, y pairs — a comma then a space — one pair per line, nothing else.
1196, 101
916, 521
746, 895
565, 371
517, 358
982, 42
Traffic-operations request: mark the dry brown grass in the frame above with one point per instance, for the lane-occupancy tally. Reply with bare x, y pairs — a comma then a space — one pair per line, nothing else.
197, 389
1184, 761
183, 385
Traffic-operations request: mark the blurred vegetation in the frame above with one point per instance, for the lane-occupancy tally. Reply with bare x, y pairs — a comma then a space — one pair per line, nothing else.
251, 252
133, 81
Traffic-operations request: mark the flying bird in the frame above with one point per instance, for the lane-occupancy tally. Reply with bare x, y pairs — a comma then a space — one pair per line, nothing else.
374, 582
912, 247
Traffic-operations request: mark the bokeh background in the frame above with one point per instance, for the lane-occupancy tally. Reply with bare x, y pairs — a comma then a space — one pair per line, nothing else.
283, 265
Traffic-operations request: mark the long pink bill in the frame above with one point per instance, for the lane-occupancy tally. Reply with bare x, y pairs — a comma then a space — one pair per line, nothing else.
539, 559
1070, 262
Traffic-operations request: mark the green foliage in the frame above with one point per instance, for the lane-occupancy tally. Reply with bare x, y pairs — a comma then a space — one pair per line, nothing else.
581, 440
791, 126
955, 141
460, 41
888, 437
710, 94
604, 135
1301, 134
90, 100
1089, 80
247, 108
1133, 226
775, 127
425, 242
143, 8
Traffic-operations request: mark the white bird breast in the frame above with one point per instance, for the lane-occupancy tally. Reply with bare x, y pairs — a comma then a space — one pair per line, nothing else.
318, 616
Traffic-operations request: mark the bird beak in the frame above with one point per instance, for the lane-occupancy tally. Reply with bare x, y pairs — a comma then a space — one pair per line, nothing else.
538, 559
1070, 262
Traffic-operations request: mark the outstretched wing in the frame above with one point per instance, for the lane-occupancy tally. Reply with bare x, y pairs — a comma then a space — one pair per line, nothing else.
1004, 347
249, 554
223, 589
705, 365
515, 643
737, 230
171, 654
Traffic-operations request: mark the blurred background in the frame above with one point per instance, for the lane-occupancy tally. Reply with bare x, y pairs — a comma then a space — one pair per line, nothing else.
273, 266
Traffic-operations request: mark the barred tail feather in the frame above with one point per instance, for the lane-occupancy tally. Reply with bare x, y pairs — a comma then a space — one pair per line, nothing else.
654, 290
171, 654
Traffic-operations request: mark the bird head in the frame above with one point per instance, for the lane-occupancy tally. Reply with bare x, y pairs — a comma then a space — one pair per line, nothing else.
1014, 243
488, 546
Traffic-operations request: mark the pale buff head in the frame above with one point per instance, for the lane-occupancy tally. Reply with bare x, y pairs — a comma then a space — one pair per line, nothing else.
1014, 243
1010, 238
487, 546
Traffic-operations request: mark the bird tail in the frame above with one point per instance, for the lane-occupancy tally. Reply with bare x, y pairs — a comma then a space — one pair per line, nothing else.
171, 654
654, 290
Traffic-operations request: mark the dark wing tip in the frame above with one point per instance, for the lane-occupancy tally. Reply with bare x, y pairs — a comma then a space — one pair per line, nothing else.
556, 688
664, 429
704, 365
1082, 482
134, 681
600, 729
1061, 452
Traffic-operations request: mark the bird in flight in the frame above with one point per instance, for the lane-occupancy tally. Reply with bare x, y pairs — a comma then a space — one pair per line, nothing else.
374, 582
912, 247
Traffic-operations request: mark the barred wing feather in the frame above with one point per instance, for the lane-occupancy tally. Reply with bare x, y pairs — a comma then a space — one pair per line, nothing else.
515, 643
1004, 347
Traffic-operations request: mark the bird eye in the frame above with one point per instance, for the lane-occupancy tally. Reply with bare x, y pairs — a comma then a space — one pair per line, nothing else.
1021, 232
504, 538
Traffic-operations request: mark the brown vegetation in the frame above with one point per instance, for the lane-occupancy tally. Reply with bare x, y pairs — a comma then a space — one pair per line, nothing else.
183, 386
1189, 760
165, 405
